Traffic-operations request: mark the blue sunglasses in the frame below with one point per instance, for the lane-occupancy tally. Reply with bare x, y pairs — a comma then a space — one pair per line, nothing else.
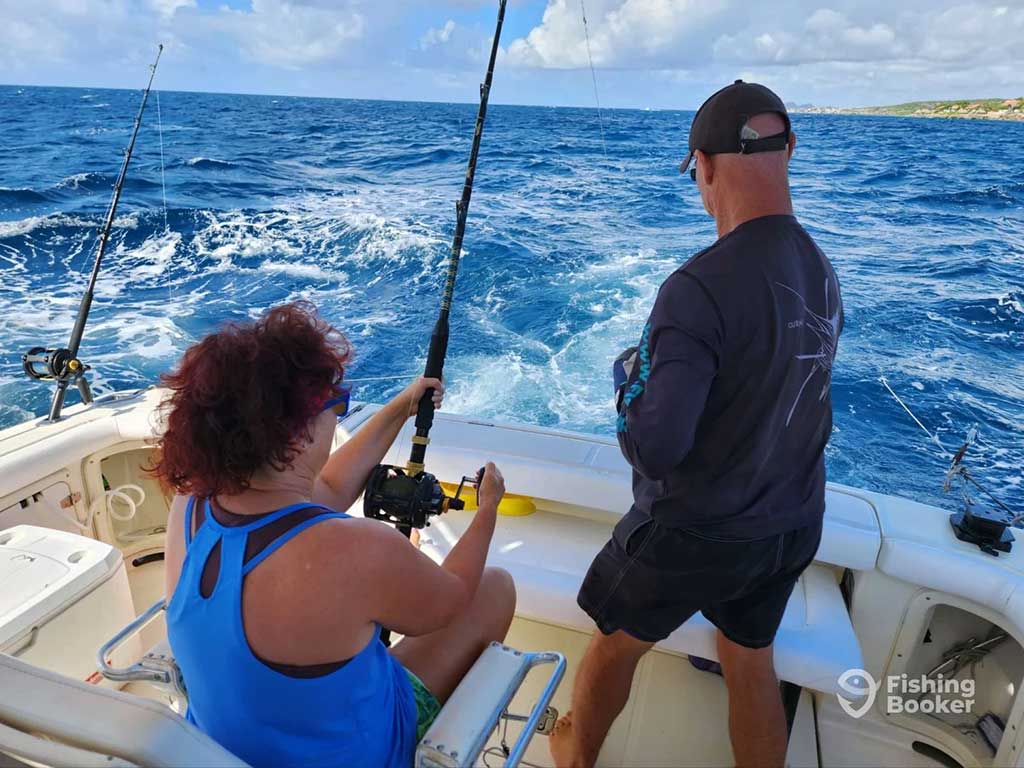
339, 403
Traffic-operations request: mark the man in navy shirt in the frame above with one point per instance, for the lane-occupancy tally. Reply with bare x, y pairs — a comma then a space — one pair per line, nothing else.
724, 413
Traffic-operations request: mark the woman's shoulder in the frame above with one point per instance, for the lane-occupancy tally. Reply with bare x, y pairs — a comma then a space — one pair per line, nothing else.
358, 534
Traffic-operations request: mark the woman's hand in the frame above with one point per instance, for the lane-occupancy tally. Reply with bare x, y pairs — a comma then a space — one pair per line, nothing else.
414, 392
491, 489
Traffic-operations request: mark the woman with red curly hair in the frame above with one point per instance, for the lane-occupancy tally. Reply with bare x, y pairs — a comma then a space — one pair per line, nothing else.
275, 597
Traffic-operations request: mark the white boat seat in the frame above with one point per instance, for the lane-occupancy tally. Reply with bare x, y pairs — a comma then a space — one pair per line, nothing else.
461, 729
468, 719
52, 720
548, 555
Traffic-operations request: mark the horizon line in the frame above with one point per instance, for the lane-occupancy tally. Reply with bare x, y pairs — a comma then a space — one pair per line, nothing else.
497, 103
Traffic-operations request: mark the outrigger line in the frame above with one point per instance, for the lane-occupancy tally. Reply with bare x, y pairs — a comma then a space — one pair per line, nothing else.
988, 532
163, 174
593, 75
956, 467
63, 365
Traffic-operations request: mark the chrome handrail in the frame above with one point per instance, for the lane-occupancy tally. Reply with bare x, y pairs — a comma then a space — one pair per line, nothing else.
136, 671
515, 755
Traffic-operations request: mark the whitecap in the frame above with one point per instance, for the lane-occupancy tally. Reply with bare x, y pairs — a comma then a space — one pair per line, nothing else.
208, 162
305, 271
32, 223
73, 182
149, 260
1014, 301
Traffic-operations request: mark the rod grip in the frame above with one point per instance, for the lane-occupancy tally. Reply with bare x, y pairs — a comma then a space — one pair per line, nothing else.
434, 370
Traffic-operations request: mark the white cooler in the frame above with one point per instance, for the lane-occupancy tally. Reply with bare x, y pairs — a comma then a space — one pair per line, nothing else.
62, 596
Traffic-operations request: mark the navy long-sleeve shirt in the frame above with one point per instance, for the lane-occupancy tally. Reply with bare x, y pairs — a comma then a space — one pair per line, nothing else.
726, 416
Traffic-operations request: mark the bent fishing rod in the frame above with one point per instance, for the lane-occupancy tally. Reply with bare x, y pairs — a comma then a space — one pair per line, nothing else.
62, 364
408, 497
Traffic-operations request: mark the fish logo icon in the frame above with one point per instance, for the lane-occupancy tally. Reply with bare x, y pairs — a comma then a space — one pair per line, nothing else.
862, 687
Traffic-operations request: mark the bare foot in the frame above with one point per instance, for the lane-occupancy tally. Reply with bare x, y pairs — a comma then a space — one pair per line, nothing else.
560, 742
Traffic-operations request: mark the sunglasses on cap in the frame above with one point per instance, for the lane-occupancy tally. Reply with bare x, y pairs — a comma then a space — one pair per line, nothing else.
690, 158
750, 143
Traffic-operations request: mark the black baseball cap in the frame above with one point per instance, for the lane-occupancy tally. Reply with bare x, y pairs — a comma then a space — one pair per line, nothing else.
720, 125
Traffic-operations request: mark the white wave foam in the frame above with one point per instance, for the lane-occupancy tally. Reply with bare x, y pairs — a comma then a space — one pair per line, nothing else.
285, 239
149, 260
127, 221
201, 160
305, 271
18, 228
567, 384
32, 223
1013, 301
72, 182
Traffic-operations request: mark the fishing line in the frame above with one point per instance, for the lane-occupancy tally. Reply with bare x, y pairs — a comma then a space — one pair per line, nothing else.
163, 177
593, 75
935, 438
956, 468
405, 377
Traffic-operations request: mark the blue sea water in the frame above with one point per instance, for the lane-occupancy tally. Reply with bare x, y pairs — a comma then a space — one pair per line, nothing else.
351, 204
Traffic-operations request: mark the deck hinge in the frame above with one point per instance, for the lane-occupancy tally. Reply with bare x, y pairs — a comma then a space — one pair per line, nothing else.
70, 500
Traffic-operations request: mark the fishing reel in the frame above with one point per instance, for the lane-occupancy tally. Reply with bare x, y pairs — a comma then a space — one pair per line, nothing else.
58, 365
409, 501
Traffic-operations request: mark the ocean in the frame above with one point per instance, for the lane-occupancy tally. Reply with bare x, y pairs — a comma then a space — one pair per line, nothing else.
350, 204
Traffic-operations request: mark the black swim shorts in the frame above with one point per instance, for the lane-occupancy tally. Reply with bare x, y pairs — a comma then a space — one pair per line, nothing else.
649, 579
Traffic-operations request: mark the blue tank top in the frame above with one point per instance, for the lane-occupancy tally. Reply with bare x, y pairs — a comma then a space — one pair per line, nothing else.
362, 714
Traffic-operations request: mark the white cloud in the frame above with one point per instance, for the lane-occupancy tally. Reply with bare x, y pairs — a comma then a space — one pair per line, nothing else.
916, 42
623, 33
293, 34
167, 8
289, 34
440, 36
660, 52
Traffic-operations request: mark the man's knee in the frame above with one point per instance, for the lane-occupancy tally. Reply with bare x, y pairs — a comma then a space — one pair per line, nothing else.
618, 646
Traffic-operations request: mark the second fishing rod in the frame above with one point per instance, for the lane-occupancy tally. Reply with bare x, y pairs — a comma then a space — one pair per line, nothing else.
62, 364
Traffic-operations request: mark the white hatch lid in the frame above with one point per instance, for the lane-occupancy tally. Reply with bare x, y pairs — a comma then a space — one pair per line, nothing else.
42, 571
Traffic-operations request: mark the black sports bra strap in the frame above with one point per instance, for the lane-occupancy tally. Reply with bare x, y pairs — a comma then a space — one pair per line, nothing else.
256, 542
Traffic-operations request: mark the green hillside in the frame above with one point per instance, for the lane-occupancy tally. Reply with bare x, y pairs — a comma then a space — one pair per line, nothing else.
991, 109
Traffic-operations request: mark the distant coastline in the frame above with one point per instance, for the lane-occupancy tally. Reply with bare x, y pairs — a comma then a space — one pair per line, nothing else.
977, 109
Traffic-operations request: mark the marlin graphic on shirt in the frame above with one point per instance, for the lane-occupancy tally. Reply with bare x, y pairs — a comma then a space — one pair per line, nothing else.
825, 328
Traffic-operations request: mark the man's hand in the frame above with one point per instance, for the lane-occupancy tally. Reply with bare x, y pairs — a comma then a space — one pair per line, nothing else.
622, 369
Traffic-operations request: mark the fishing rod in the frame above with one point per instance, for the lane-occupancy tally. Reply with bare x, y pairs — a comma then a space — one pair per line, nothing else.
62, 364
408, 496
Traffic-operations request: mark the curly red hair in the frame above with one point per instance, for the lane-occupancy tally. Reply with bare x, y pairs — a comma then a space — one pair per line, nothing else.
245, 398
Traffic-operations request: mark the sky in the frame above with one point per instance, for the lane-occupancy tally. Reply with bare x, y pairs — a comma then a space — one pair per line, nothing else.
646, 53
